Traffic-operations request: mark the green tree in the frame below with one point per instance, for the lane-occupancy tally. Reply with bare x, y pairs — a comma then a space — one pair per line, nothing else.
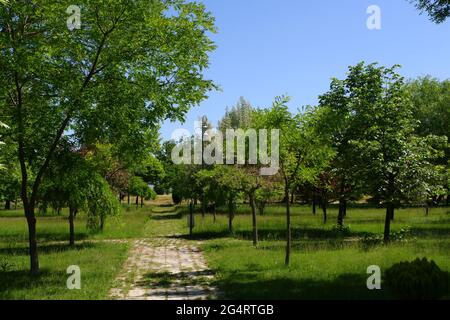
396, 161
431, 98
131, 65
300, 151
438, 10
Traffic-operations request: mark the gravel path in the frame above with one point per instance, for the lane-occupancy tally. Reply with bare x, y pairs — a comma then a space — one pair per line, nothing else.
164, 269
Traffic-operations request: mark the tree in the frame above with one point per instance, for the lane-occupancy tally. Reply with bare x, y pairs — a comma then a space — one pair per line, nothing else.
130, 66
395, 160
73, 181
141, 189
300, 151
438, 10
430, 98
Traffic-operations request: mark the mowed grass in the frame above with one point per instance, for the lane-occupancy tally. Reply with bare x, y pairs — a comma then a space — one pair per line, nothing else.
100, 260
325, 264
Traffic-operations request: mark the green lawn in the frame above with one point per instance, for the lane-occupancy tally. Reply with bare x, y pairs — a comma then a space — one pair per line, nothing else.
99, 261
325, 263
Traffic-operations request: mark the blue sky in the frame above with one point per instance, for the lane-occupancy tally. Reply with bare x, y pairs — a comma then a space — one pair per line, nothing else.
272, 47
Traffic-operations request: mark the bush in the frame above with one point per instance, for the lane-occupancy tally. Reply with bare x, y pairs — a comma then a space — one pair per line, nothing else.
420, 279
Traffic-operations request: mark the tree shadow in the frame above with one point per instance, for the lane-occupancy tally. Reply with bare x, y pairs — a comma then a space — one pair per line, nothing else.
431, 232
246, 286
24, 280
42, 237
172, 216
45, 249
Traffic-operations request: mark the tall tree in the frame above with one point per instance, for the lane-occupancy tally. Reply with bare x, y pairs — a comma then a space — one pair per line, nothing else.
129, 66
396, 161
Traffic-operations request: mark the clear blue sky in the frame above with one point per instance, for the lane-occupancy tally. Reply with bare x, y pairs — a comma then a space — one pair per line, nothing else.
272, 47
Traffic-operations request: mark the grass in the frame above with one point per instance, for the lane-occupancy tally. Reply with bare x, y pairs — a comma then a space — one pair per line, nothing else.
99, 261
325, 263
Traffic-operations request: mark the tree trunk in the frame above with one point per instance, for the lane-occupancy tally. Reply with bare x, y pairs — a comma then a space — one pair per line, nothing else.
340, 221
314, 205
324, 209
129, 198
8, 204
392, 216
344, 213
142, 202
71, 227
31, 221
230, 215
102, 222
288, 227
191, 219
137, 201
254, 222
387, 224
292, 198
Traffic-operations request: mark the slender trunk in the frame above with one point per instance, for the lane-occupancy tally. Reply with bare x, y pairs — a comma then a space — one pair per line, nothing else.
254, 222
102, 223
314, 205
387, 224
340, 221
344, 213
128, 198
142, 202
71, 227
8, 204
324, 209
137, 201
292, 198
230, 214
392, 216
31, 221
288, 226
191, 219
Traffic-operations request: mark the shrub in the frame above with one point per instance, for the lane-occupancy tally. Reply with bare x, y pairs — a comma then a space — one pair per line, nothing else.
420, 279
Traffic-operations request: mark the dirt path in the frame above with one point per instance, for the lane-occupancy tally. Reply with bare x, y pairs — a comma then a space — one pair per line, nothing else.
164, 269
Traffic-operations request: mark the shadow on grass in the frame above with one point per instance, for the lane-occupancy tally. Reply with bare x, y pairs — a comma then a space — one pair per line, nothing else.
166, 279
45, 249
42, 237
247, 286
277, 234
431, 232
167, 216
11, 281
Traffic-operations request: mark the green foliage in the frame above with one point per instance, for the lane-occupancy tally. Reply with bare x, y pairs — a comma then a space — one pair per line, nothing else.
438, 10
101, 203
139, 187
420, 279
